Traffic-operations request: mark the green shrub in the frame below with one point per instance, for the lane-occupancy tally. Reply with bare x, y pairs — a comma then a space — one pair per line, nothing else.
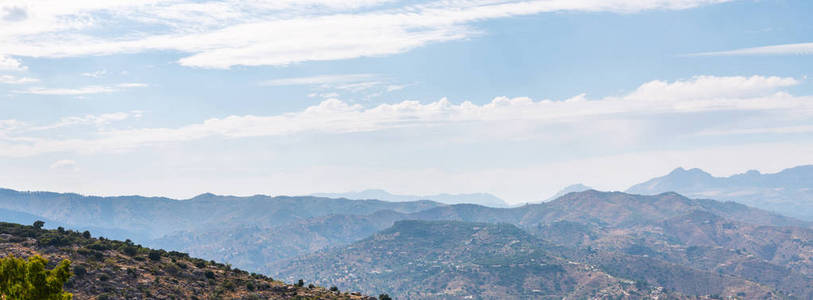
200, 263
155, 255
79, 271
29, 280
129, 250
98, 245
38, 224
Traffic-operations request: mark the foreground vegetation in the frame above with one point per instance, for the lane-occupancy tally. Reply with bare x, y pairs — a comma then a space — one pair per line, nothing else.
28, 279
111, 269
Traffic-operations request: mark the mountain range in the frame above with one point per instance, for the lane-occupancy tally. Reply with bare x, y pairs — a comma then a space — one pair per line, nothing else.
789, 192
584, 242
692, 247
144, 218
483, 199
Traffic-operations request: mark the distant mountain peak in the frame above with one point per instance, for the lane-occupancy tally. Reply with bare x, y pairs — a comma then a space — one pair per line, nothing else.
788, 191
680, 171
569, 189
484, 199
204, 196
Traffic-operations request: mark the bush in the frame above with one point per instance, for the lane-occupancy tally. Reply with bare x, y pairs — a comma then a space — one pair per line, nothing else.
30, 280
79, 271
229, 285
98, 245
129, 250
384, 297
86, 234
334, 289
155, 255
300, 283
209, 274
38, 224
200, 263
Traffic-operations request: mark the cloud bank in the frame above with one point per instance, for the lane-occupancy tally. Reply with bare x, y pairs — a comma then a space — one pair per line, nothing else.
700, 94
223, 34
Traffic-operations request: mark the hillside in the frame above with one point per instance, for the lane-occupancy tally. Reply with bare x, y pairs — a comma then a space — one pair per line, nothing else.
143, 218
109, 269
646, 238
459, 260
789, 191
255, 247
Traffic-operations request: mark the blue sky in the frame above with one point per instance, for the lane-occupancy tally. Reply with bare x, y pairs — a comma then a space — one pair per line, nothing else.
514, 98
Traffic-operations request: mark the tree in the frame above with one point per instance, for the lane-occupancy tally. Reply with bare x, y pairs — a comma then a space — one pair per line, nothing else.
129, 250
86, 234
300, 283
29, 280
384, 297
155, 255
38, 224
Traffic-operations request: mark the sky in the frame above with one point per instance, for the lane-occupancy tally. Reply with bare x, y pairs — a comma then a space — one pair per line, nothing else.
515, 98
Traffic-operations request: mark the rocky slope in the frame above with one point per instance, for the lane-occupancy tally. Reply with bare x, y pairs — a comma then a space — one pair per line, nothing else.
108, 269
461, 260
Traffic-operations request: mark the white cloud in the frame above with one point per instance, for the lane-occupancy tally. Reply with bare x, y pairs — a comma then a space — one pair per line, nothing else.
324, 95
395, 87
706, 87
328, 85
10, 79
96, 120
320, 79
11, 64
95, 74
87, 90
785, 49
222, 34
11, 127
66, 165
67, 91
132, 85
752, 131
525, 116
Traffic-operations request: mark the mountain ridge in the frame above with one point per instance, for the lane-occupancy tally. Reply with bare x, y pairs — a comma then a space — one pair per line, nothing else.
789, 191
484, 199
